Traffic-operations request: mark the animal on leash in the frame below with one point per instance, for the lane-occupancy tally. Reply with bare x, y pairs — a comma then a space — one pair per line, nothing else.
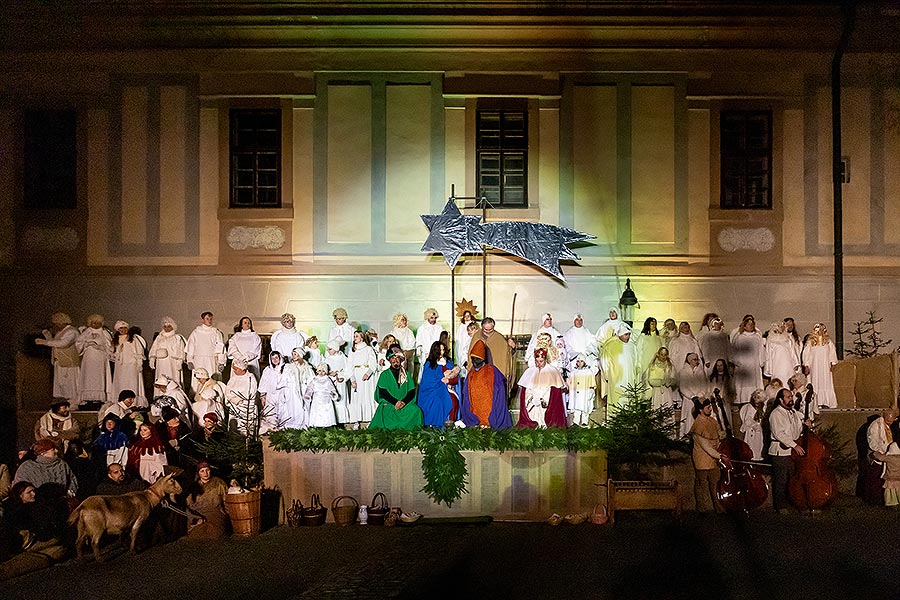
116, 514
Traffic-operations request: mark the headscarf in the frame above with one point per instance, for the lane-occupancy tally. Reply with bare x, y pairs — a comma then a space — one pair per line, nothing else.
111, 440
171, 322
430, 312
478, 350
120, 324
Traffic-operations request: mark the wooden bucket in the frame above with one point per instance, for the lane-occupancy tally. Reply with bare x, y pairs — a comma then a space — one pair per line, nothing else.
243, 509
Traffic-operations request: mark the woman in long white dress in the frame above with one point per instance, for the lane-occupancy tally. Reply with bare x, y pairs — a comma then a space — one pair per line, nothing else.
296, 374
362, 364
820, 356
95, 345
752, 415
167, 352
648, 343
246, 344
749, 355
270, 395
661, 380
128, 360
692, 381
683, 344
781, 362
320, 394
336, 362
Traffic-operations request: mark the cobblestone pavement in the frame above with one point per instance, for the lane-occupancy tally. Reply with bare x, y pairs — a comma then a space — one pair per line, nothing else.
849, 551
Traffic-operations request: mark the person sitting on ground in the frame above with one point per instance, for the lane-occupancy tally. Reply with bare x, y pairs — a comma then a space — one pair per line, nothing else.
206, 505
47, 467
395, 393
437, 397
122, 408
172, 432
891, 462
111, 446
147, 455
118, 482
78, 459
58, 424
30, 524
5, 481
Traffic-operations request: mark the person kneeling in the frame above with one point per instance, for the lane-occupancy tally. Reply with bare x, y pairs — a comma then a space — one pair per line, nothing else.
395, 393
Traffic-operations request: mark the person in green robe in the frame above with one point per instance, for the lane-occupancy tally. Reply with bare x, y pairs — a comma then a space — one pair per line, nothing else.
395, 393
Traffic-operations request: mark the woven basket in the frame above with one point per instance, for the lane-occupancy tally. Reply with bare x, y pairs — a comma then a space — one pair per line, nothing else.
294, 514
344, 514
378, 510
599, 516
315, 513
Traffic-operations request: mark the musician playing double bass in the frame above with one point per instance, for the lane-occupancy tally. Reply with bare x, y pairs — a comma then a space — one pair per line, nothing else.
706, 435
786, 425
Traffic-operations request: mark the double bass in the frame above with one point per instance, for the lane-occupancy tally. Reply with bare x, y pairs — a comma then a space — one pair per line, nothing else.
741, 487
813, 485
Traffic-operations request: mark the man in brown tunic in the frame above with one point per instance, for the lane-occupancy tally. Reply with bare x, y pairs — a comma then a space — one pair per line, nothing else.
501, 350
705, 434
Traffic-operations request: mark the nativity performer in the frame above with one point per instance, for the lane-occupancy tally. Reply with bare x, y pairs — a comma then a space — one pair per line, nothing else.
128, 359
405, 337
167, 392
362, 365
648, 343
319, 398
500, 349
167, 351
246, 344
749, 355
618, 365
336, 361
752, 416
147, 455
205, 347
64, 356
546, 327
683, 344
294, 378
210, 396
579, 339
693, 383
582, 384
94, 343
271, 397
781, 360
437, 391
396, 396
819, 357
428, 333
714, 343
240, 399
541, 400
342, 329
288, 337
661, 381
608, 329
484, 392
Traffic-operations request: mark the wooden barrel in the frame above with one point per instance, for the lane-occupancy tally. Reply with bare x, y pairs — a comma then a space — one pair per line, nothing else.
243, 509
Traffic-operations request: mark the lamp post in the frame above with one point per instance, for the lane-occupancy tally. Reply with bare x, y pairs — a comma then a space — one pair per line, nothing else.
627, 303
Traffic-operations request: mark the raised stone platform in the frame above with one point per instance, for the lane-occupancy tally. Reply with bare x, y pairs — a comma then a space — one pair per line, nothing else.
512, 485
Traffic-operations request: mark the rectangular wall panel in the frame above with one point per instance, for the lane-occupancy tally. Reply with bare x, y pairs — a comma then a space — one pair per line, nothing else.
698, 180
856, 143
172, 197
891, 167
133, 221
823, 159
455, 150
548, 153
302, 234
209, 183
792, 191
407, 162
594, 161
97, 187
349, 172
653, 164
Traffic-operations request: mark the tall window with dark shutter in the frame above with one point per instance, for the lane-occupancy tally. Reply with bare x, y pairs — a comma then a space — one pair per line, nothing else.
746, 159
255, 158
502, 157
51, 159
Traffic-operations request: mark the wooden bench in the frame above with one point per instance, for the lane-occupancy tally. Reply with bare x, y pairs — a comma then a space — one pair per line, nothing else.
642, 495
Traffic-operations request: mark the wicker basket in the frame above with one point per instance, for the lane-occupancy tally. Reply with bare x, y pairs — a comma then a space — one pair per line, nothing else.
378, 510
315, 513
294, 515
344, 514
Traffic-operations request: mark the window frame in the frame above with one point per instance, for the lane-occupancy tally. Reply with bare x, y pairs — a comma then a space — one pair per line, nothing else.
50, 160
511, 147
237, 150
744, 157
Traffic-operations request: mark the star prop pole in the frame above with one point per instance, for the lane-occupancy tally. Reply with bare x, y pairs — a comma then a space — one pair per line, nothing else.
453, 234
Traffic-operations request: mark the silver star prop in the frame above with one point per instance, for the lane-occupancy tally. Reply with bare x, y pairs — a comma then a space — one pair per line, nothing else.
453, 234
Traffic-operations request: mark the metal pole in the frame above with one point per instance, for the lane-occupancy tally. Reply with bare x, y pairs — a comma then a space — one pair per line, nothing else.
483, 201
837, 176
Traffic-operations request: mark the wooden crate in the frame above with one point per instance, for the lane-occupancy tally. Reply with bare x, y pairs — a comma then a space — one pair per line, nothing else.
642, 495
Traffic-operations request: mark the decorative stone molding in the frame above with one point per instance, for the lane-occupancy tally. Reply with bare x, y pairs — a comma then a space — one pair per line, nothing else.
243, 238
760, 239
50, 239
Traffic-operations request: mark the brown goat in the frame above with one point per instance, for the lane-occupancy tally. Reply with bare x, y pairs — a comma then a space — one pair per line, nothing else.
116, 514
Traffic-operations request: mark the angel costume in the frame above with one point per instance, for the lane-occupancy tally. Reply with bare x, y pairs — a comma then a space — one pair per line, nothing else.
95, 346
362, 364
128, 357
319, 398
167, 352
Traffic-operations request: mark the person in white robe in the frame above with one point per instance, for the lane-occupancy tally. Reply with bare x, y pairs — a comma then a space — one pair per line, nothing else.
582, 383
683, 344
781, 362
819, 357
545, 341
319, 397
669, 331
608, 329
123, 407
546, 327
790, 328
362, 365
210, 396
661, 380
342, 329
748, 352
538, 383
95, 345
618, 365
128, 363
205, 347
64, 356
246, 344
270, 395
462, 339
336, 361
288, 337
648, 343
313, 354
405, 337
294, 378
428, 333
580, 340
752, 416
167, 352
692, 382
715, 344
241, 398
58, 425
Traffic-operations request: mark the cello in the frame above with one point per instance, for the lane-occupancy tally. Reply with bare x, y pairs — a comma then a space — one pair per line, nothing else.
740, 486
813, 485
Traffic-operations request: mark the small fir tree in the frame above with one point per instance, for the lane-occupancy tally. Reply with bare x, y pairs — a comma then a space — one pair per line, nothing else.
868, 340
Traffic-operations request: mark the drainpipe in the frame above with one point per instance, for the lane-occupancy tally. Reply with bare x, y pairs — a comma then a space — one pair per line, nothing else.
849, 14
